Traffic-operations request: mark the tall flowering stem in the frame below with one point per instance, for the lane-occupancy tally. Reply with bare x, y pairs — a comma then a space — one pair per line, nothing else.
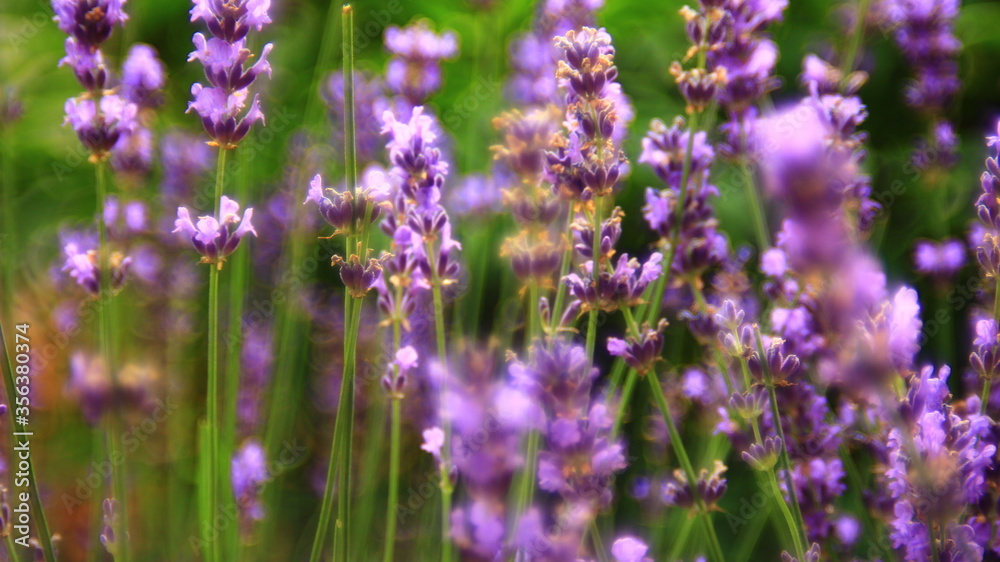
100, 119
358, 278
715, 550
988, 254
786, 464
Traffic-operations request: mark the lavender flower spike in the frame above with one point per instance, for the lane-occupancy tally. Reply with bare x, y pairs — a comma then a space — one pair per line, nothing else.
215, 237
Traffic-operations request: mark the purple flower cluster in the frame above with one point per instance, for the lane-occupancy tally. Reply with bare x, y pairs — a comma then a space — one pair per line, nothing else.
415, 67
587, 162
740, 60
533, 55
937, 465
579, 460
939, 259
249, 473
419, 224
692, 231
85, 267
216, 237
925, 34
224, 56
489, 416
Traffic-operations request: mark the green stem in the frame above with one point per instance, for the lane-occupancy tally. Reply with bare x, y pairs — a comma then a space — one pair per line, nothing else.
390, 514
757, 210
534, 322
340, 455
987, 385
394, 451
105, 313
692, 477
526, 490
346, 446
326, 507
855, 45
786, 463
239, 267
595, 273
567, 261
446, 488
595, 535
214, 478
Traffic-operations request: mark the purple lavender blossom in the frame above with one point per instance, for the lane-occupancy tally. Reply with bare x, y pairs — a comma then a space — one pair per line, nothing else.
533, 56
419, 224
216, 237
82, 265
621, 287
221, 105
415, 68
100, 125
587, 163
345, 211
936, 466
578, 461
249, 473
987, 239
939, 259
90, 22
630, 549
90, 385
87, 64
111, 513
185, 162
231, 20
925, 34
710, 487
699, 244
143, 77
132, 155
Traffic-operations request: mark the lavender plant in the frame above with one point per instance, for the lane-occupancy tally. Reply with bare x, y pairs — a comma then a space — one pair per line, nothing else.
709, 340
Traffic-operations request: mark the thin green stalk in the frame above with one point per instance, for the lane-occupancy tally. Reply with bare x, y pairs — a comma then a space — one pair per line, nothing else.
326, 507
757, 210
595, 535
595, 273
105, 315
390, 513
715, 550
534, 321
627, 390
855, 46
340, 454
342, 528
786, 463
214, 478
630, 380
567, 261
394, 451
239, 266
44, 535
526, 488
446, 488
987, 385
11, 548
